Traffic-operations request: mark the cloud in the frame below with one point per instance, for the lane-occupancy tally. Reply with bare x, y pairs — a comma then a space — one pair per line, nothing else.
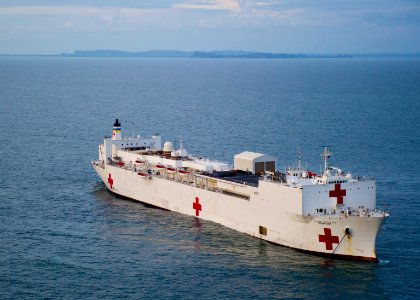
264, 25
70, 10
230, 5
86, 18
263, 4
181, 15
279, 14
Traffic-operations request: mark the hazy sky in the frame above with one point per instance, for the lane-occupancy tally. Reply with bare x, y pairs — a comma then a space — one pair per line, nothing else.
305, 26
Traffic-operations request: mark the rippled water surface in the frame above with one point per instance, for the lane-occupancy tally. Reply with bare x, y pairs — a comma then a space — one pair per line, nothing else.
64, 236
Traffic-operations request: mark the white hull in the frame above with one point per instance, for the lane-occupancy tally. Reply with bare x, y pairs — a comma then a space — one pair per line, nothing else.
264, 215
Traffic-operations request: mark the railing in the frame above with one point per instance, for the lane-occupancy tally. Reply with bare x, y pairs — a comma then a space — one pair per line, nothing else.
358, 212
194, 180
364, 178
99, 163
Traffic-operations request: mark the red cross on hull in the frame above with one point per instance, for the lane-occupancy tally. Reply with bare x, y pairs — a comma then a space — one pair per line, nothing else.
110, 181
328, 239
338, 193
197, 207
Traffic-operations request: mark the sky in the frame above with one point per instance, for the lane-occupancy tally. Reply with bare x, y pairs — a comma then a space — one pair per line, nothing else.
281, 26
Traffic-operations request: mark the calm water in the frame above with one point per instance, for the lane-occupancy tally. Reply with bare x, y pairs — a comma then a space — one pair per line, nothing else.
64, 236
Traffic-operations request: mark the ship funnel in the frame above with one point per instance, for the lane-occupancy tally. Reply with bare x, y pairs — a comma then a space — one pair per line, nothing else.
116, 131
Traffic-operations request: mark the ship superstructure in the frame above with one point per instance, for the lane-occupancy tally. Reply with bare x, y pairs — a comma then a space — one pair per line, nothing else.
332, 213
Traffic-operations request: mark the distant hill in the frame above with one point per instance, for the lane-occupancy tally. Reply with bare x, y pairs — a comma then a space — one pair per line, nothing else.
196, 54
117, 53
243, 54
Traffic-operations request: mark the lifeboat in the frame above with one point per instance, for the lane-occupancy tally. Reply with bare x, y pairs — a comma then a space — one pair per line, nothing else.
143, 175
183, 172
160, 167
139, 161
310, 174
120, 163
171, 170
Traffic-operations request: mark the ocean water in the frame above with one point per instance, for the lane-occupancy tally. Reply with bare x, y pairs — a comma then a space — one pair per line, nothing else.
64, 236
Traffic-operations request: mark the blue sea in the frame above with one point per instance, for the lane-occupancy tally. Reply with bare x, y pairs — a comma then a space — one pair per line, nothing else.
63, 236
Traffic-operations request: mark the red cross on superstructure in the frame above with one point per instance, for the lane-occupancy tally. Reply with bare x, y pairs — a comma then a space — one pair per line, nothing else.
339, 193
110, 181
328, 239
197, 207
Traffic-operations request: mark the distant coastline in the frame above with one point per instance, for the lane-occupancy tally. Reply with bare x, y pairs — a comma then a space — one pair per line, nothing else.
211, 54
197, 54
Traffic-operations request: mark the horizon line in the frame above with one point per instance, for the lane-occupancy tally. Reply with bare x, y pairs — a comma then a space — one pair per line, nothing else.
76, 53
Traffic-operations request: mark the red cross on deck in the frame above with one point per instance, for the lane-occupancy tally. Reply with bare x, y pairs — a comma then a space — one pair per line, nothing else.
197, 207
110, 181
328, 239
339, 193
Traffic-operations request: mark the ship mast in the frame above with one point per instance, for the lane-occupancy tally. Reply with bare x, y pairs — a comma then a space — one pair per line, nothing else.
325, 155
299, 158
